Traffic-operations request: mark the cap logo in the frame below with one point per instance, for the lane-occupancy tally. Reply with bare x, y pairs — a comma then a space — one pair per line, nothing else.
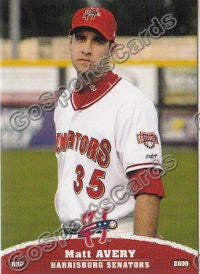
91, 13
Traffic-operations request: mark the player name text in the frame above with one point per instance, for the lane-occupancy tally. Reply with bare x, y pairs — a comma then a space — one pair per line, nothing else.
106, 253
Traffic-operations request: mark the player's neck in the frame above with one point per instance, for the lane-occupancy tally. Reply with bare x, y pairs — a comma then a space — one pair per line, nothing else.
87, 79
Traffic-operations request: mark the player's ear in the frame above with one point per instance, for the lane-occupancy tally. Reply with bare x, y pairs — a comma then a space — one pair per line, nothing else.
70, 42
112, 50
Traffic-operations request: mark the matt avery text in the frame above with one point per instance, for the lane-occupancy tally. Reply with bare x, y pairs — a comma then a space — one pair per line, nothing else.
106, 253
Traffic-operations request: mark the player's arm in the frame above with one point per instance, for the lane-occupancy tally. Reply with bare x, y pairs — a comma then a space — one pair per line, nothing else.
146, 215
147, 205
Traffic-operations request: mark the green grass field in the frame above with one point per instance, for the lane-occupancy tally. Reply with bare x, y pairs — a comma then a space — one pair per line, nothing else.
29, 182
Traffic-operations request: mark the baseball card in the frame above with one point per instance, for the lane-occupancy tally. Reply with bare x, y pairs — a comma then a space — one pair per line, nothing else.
99, 117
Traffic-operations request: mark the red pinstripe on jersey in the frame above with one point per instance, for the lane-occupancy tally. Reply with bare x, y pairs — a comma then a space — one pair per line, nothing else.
143, 165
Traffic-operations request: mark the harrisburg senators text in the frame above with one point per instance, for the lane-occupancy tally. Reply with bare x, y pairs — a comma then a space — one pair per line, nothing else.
101, 259
97, 151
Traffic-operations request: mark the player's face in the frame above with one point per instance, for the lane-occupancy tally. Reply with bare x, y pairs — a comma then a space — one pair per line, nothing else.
87, 48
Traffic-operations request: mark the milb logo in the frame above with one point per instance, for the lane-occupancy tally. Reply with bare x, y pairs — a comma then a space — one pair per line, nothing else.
90, 227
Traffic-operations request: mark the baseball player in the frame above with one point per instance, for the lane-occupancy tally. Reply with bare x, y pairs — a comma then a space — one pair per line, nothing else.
107, 142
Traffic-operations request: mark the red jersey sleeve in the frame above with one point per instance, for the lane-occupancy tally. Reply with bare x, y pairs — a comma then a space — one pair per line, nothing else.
146, 181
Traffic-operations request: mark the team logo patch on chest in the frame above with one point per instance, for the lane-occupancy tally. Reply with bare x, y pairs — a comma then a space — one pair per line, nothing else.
149, 139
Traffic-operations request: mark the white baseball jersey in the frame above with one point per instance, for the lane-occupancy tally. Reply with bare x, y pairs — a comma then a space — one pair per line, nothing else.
103, 133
